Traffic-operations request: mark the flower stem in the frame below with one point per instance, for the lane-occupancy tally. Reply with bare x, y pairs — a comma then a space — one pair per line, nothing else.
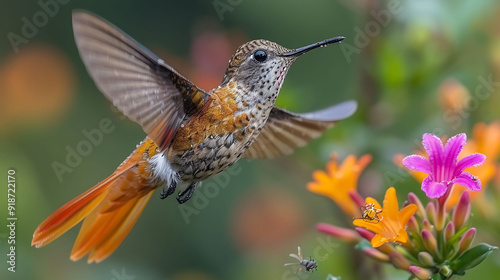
441, 209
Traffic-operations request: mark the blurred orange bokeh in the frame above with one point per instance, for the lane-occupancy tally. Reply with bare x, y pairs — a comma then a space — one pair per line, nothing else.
36, 86
267, 219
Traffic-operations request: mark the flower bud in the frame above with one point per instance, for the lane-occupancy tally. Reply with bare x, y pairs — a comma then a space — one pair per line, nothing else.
426, 259
429, 241
430, 210
377, 255
399, 261
446, 271
366, 234
413, 225
386, 248
413, 199
356, 198
344, 234
449, 231
403, 251
462, 211
428, 226
420, 273
466, 240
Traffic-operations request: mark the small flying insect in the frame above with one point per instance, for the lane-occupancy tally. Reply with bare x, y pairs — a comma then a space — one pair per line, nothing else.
308, 265
370, 213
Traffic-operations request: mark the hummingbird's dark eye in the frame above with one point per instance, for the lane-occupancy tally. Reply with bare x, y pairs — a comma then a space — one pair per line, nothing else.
260, 56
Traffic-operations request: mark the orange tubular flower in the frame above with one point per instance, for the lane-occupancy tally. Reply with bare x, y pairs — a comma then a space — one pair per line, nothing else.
339, 183
391, 227
486, 140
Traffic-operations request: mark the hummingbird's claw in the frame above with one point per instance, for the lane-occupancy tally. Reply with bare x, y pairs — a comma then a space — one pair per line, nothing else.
186, 194
168, 190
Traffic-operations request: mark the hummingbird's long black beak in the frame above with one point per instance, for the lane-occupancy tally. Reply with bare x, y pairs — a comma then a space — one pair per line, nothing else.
324, 43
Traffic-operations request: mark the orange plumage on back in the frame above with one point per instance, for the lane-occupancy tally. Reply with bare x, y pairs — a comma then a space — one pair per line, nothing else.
110, 209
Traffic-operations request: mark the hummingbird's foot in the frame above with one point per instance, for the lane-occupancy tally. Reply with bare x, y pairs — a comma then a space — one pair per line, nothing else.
186, 194
168, 190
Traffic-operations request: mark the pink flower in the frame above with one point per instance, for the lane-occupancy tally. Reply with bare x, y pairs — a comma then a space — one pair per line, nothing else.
443, 167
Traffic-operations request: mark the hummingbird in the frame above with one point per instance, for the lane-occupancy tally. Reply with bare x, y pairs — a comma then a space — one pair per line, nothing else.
192, 134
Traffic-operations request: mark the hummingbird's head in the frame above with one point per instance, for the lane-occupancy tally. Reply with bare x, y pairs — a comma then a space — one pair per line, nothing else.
261, 65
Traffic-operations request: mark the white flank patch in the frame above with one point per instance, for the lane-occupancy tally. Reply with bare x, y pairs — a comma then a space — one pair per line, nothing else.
162, 169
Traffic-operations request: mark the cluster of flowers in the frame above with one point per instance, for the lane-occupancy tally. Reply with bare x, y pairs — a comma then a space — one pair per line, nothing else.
432, 241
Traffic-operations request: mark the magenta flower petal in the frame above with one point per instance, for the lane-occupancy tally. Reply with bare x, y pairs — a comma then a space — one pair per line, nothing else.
469, 181
435, 150
432, 188
452, 149
417, 163
470, 161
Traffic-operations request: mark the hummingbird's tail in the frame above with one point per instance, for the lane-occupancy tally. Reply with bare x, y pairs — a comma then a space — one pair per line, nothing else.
110, 209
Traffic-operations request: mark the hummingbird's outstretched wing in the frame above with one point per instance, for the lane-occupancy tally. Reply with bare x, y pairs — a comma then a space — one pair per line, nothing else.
140, 84
285, 131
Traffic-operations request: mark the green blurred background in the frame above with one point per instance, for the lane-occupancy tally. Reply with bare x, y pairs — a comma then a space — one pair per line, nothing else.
405, 62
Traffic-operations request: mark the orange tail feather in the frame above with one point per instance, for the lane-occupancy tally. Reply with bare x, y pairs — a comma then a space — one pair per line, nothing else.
102, 233
110, 209
69, 214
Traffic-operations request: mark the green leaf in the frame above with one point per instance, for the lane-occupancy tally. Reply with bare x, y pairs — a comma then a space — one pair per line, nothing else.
471, 258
